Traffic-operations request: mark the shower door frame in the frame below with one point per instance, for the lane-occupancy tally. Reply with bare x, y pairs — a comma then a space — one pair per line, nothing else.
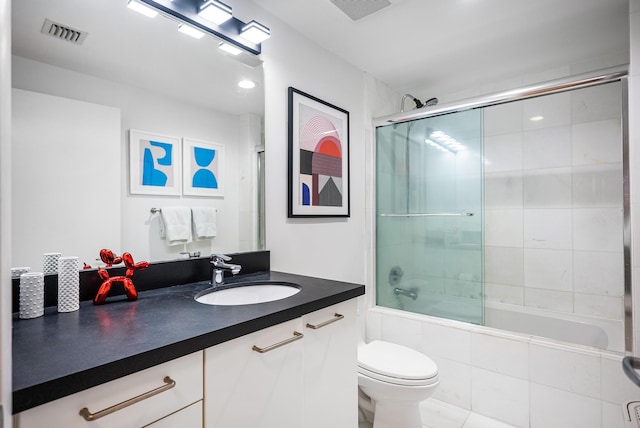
600, 77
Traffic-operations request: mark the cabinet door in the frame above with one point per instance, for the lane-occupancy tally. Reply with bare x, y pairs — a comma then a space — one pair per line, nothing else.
186, 372
189, 417
330, 361
246, 388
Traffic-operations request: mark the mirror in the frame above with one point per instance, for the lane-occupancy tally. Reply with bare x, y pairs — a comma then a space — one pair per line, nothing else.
74, 105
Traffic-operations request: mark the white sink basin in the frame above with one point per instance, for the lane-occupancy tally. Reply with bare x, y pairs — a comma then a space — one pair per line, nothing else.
248, 293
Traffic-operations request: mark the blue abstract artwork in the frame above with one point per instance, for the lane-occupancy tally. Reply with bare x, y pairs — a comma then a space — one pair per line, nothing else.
203, 167
203, 177
152, 176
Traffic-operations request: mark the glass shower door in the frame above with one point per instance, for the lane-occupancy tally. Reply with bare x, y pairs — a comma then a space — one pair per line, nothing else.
429, 216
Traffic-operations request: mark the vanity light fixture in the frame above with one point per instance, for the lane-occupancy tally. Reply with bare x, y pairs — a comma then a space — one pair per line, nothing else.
447, 142
247, 84
141, 8
213, 18
230, 49
255, 32
190, 31
215, 11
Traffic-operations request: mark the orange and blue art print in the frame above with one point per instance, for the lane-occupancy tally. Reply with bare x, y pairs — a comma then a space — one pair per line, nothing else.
318, 157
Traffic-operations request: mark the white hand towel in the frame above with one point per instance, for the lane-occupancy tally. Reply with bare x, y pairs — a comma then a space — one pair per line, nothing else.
175, 225
205, 224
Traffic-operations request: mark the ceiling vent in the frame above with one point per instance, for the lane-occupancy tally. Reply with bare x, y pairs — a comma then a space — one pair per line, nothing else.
357, 9
63, 32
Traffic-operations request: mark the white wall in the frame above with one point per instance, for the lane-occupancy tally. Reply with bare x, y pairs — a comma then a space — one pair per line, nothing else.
329, 247
151, 112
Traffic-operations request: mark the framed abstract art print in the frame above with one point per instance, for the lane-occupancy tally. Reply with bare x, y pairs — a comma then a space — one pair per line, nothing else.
318, 157
154, 164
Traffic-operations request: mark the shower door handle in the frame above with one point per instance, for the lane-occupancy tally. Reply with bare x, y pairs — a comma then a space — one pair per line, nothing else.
629, 366
426, 215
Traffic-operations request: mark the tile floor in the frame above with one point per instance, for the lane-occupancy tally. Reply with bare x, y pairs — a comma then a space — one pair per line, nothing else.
438, 414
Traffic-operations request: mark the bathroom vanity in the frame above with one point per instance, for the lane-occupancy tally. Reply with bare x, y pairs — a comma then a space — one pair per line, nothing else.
172, 361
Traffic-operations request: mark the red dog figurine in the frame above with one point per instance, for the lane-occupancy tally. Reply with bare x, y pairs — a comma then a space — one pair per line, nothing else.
110, 259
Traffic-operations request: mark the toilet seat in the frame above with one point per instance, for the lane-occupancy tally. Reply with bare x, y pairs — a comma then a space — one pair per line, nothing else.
396, 364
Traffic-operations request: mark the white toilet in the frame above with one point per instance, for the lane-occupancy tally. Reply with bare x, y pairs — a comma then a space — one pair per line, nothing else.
393, 380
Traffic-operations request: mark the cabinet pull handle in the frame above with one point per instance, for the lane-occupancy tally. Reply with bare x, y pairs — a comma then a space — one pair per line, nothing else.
336, 317
87, 415
296, 336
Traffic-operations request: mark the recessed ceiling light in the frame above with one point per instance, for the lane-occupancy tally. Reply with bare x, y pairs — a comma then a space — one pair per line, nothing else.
536, 118
247, 84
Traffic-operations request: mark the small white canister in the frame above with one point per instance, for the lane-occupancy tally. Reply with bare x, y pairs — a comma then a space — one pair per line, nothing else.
31, 300
50, 263
68, 284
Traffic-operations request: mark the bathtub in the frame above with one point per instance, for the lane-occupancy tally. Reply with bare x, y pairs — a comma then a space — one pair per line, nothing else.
572, 328
577, 329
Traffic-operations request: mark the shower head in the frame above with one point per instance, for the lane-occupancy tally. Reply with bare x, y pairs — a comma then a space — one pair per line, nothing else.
419, 104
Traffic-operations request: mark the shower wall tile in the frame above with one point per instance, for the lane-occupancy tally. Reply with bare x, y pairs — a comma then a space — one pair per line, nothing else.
503, 190
501, 355
600, 306
547, 188
504, 265
503, 228
499, 396
403, 331
503, 119
596, 103
446, 342
548, 299
455, 382
547, 148
566, 369
546, 75
548, 269
547, 228
611, 416
597, 229
616, 387
598, 272
597, 185
597, 142
555, 110
555, 408
503, 152
504, 293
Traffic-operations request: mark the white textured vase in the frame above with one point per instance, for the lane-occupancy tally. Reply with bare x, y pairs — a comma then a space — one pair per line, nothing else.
17, 271
31, 301
50, 263
68, 284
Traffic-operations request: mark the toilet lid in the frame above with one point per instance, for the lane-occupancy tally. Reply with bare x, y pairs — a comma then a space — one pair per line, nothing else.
396, 361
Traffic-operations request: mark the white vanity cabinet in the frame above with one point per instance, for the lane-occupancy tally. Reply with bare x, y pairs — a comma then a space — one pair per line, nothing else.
168, 390
330, 377
305, 376
247, 388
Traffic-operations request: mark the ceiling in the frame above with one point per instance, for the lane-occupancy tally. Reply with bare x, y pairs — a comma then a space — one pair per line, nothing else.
130, 48
416, 46
419, 45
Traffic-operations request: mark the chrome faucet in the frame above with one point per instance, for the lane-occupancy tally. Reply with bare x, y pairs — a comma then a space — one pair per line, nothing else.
219, 262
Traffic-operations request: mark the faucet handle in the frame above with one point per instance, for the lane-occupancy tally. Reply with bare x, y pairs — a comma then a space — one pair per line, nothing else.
219, 257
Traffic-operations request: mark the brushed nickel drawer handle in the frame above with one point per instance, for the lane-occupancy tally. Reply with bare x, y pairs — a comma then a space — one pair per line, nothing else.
296, 336
87, 415
336, 317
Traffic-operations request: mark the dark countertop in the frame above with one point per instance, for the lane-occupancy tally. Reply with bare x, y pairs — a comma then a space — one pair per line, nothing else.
63, 353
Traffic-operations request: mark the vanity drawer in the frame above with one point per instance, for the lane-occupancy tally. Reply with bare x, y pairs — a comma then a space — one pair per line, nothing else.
142, 398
